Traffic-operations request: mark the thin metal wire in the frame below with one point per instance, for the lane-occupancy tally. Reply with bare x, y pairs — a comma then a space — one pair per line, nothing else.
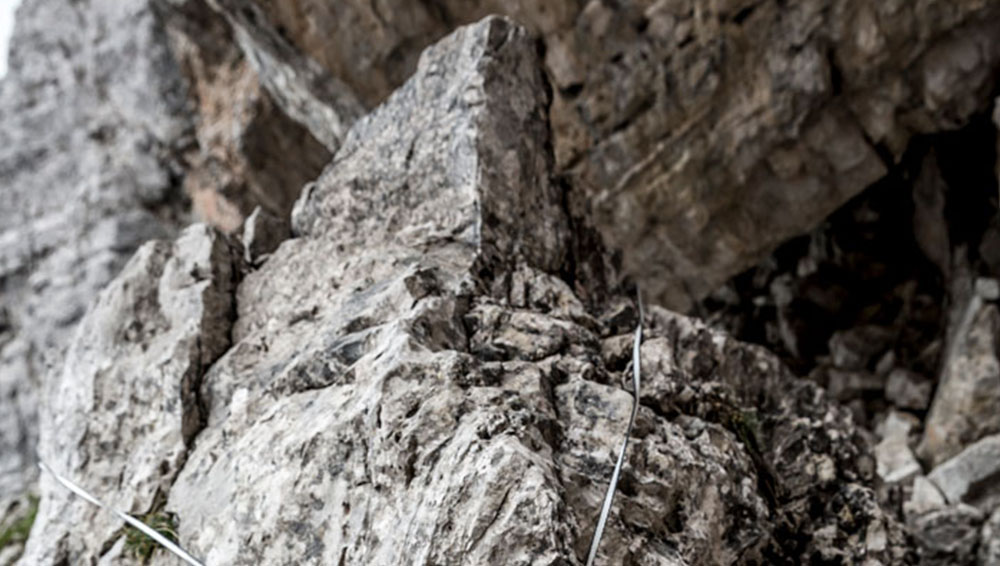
612, 487
146, 530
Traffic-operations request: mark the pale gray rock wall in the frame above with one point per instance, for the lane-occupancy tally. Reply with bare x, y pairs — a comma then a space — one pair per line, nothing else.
440, 345
121, 121
121, 415
92, 116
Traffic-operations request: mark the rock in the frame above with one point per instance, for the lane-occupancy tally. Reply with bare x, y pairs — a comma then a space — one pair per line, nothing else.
124, 412
693, 184
968, 393
856, 348
306, 93
988, 289
924, 497
896, 462
948, 536
18, 428
92, 119
989, 545
908, 390
416, 362
262, 234
847, 385
257, 112
442, 344
110, 113
972, 475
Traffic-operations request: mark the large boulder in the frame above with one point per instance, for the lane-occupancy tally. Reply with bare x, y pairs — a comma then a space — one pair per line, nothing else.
414, 379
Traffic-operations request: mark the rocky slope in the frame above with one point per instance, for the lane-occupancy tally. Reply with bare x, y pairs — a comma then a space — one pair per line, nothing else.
400, 337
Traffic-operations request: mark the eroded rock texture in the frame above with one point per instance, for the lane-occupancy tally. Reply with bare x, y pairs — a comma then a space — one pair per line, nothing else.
429, 389
268, 117
700, 135
401, 337
93, 117
114, 115
891, 304
126, 407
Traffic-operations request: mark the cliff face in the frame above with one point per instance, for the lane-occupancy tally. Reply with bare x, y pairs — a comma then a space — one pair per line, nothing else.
398, 333
698, 135
94, 118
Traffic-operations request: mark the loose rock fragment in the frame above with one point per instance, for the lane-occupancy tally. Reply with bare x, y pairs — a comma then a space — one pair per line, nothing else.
908, 390
965, 405
948, 536
973, 475
896, 462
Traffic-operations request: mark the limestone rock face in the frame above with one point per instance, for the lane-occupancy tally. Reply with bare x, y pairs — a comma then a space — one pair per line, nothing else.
989, 551
124, 410
114, 115
700, 135
414, 379
970, 477
949, 536
92, 117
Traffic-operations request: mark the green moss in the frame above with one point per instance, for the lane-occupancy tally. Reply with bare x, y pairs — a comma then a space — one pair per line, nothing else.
745, 425
17, 532
140, 546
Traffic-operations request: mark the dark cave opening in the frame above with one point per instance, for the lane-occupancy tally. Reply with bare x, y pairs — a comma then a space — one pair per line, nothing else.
869, 291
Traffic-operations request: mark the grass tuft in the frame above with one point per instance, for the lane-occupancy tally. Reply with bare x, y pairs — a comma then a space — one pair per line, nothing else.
17, 532
139, 545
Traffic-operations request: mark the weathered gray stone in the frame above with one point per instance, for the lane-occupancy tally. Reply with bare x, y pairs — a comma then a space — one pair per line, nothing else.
255, 139
435, 342
855, 349
262, 234
16, 519
973, 475
108, 109
989, 541
306, 93
702, 136
908, 390
968, 393
845, 385
122, 415
948, 536
412, 380
92, 117
924, 497
896, 462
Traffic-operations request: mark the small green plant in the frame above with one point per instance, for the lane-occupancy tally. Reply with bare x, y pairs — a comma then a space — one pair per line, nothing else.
17, 531
745, 425
139, 545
